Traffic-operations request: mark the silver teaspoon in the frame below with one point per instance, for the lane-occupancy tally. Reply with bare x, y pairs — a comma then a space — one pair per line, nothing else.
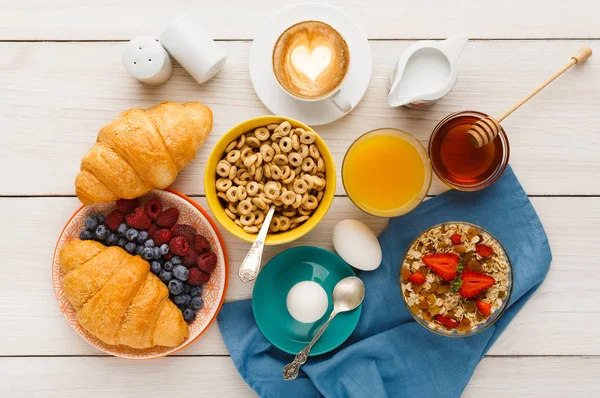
251, 265
347, 295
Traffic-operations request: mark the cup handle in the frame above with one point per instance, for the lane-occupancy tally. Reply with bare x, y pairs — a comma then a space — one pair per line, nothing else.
341, 103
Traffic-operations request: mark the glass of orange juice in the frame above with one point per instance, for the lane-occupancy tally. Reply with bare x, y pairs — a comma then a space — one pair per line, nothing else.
386, 172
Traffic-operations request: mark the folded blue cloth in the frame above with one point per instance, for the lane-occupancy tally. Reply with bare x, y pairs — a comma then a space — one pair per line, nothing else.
389, 354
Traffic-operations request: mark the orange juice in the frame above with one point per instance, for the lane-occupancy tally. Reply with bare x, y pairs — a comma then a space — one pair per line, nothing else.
386, 172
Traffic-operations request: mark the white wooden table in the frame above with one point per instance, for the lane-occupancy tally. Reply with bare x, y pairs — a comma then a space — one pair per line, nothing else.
61, 79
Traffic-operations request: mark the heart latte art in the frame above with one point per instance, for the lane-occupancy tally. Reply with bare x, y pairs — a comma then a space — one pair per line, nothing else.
310, 60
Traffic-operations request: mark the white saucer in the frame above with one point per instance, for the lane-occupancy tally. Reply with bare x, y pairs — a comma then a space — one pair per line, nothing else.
275, 98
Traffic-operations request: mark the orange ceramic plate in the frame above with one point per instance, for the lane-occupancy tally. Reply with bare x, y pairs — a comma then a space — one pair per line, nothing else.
213, 292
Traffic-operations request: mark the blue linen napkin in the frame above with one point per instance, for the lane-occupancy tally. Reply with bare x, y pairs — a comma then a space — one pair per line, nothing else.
389, 354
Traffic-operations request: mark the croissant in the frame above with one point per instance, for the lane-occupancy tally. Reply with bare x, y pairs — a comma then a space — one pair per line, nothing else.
117, 298
142, 150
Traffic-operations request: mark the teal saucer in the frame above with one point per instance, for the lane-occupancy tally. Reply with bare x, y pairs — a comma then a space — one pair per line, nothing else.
305, 263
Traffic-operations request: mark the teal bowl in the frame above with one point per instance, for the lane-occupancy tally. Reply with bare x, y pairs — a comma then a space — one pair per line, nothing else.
304, 263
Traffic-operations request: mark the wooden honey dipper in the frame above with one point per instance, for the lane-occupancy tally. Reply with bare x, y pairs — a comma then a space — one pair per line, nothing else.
485, 130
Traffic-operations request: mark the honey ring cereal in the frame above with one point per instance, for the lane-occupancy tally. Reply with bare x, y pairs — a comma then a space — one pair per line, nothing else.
245, 153
259, 203
284, 128
272, 126
320, 165
245, 207
232, 194
286, 144
230, 214
223, 168
233, 156
290, 213
295, 142
275, 172
232, 208
240, 193
295, 159
232, 172
259, 160
311, 203
272, 190
242, 142
274, 227
222, 195
251, 229
238, 223
267, 152
304, 212
300, 186
285, 173
290, 178
300, 220
231, 146
247, 219
267, 170
258, 175
313, 151
288, 198
298, 202
307, 137
262, 133
281, 160
276, 137
259, 217
253, 142
308, 164
304, 151
284, 223
252, 188
276, 148
223, 184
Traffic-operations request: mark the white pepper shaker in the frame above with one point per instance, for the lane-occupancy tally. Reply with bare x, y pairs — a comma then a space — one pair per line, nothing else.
147, 60
193, 48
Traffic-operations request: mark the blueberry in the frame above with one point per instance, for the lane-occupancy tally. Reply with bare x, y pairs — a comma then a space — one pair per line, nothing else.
196, 291
139, 249
147, 243
155, 267
176, 286
176, 259
181, 272
85, 235
164, 249
187, 289
131, 234
169, 265
122, 242
142, 236
101, 232
182, 299
156, 252
100, 218
91, 223
181, 307
147, 253
196, 303
112, 240
165, 276
130, 247
122, 230
189, 315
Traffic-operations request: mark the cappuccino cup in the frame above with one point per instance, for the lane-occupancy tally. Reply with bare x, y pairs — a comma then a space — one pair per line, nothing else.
311, 61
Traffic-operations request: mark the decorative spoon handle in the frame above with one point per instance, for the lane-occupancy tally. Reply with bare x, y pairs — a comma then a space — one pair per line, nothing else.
251, 265
291, 370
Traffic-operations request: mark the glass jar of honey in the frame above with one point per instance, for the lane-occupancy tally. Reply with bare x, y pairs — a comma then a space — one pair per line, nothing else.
460, 165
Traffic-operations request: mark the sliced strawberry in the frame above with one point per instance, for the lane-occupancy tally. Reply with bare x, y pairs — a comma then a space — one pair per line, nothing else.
456, 239
444, 264
474, 283
484, 307
444, 320
484, 250
417, 279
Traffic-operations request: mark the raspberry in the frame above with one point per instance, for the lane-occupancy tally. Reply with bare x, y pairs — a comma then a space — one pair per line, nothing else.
207, 262
184, 230
201, 244
114, 219
168, 218
152, 230
198, 277
190, 259
127, 205
153, 208
168, 256
162, 236
138, 219
179, 245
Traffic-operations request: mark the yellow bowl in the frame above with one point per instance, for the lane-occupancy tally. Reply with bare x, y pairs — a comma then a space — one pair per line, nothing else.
217, 208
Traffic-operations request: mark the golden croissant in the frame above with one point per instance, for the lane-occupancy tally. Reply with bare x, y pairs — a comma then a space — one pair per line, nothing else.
117, 298
142, 150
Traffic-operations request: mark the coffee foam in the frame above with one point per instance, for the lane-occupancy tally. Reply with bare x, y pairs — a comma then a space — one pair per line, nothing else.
310, 59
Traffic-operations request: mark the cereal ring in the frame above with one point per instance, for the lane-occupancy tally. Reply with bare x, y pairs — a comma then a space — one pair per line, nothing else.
242, 141
223, 184
284, 128
288, 198
238, 223
223, 168
247, 219
275, 137
280, 160
304, 151
295, 159
320, 165
245, 207
258, 175
300, 186
252, 170
298, 202
308, 164
232, 208
311, 203
253, 142
223, 196
259, 217
264, 198
267, 170
309, 180
231, 146
304, 212
230, 214
272, 190
307, 137
286, 144
259, 159
314, 151
240, 193
290, 213
233, 156
232, 194
295, 142
291, 177
260, 203
245, 153
262, 133
252, 188
276, 148
285, 173
272, 126
233, 172
301, 219
267, 152
251, 229
250, 160
320, 195
284, 223
275, 172
274, 227
319, 183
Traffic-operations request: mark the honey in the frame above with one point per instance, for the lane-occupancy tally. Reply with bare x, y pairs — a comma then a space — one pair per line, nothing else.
460, 165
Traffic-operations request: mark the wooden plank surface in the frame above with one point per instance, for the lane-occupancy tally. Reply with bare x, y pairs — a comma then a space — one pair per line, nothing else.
217, 377
236, 19
550, 324
56, 96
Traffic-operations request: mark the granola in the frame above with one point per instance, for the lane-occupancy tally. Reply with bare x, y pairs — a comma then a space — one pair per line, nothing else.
455, 276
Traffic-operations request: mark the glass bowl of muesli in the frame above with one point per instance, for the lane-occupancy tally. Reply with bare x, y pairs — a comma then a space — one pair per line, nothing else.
456, 279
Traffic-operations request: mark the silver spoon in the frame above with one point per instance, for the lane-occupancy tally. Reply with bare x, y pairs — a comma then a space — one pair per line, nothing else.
347, 295
251, 265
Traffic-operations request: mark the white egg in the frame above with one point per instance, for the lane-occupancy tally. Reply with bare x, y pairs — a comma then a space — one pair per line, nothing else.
307, 302
357, 245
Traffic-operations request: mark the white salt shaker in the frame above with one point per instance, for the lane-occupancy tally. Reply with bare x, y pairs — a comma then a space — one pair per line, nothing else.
147, 60
195, 50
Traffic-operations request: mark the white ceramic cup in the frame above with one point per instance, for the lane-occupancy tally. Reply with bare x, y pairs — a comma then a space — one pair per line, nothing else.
195, 50
335, 96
